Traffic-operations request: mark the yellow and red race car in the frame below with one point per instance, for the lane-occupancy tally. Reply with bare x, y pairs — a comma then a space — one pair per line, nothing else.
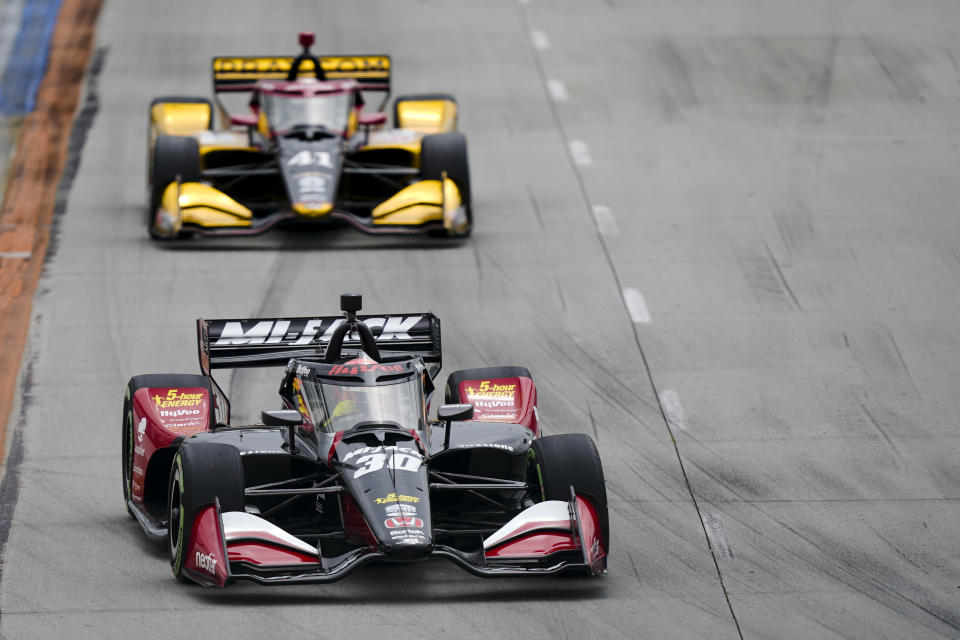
306, 152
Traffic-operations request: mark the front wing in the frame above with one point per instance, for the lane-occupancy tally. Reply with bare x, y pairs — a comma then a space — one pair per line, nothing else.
197, 207
549, 538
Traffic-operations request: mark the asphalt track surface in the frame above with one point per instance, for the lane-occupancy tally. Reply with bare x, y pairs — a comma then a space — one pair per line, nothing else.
723, 238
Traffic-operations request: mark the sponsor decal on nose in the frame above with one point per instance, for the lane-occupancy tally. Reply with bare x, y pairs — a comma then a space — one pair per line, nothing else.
403, 521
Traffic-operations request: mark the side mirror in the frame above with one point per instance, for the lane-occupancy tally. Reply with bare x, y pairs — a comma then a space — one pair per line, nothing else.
281, 418
243, 120
372, 119
289, 418
450, 412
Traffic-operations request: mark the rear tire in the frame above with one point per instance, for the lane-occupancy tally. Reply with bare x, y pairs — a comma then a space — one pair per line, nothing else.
172, 156
555, 463
452, 395
201, 473
447, 152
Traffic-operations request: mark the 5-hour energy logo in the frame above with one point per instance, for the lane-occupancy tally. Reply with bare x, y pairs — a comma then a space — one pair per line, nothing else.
178, 398
489, 390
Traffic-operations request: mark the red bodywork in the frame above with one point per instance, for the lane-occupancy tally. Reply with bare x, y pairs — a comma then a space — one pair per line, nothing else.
206, 557
161, 416
537, 539
512, 400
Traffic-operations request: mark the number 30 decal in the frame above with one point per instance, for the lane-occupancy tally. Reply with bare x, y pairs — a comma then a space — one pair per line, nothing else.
396, 460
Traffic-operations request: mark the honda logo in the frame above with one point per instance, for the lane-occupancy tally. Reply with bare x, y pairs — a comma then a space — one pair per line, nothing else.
403, 521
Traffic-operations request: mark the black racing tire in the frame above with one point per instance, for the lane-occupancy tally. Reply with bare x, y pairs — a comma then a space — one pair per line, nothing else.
128, 434
172, 156
557, 462
416, 98
452, 396
201, 472
447, 152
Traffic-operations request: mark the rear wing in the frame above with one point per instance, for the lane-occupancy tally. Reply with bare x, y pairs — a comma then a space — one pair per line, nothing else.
264, 342
240, 73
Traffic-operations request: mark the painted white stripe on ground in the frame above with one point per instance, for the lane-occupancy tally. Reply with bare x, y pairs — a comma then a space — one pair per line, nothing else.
670, 402
636, 306
606, 223
558, 90
539, 39
581, 153
15, 254
716, 535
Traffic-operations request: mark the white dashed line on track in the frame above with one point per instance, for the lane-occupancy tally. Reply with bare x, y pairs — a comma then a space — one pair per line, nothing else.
716, 535
539, 39
15, 254
558, 90
581, 153
670, 402
636, 306
606, 223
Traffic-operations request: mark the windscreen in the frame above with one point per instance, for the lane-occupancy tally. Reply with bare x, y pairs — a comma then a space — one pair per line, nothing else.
287, 111
337, 407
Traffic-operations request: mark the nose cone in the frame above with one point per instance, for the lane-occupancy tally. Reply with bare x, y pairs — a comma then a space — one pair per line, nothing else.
313, 209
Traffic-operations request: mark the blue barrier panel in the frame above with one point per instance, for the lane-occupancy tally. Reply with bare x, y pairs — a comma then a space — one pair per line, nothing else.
28, 59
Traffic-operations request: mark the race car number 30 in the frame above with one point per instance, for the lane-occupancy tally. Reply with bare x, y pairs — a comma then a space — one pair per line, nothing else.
395, 459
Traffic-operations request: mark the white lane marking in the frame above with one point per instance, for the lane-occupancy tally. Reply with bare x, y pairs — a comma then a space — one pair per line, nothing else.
558, 90
670, 402
581, 153
636, 306
606, 223
539, 39
716, 535
15, 254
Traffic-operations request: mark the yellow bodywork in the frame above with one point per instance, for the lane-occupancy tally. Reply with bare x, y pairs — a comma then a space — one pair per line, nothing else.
427, 116
253, 68
313, 210
421, 202
200, 204
179, 118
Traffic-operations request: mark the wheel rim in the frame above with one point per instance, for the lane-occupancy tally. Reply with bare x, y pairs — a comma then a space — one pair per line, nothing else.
127, 449
535, 478
175, 522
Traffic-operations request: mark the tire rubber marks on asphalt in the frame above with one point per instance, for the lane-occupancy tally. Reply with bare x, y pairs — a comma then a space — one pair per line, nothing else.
636, 306
539, 39
580, 153
606, 223
670, 402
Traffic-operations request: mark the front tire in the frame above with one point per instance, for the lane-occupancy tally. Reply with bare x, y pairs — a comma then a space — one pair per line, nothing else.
447, 153
173, 156
555, 463
201, 473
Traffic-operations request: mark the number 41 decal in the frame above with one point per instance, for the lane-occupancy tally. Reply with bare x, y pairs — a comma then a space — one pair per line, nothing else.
306, 158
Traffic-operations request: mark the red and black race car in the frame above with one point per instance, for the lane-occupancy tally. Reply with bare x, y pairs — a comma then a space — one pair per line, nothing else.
352, 470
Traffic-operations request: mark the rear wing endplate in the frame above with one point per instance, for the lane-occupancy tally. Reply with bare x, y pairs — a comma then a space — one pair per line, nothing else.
264, 342
240, 73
